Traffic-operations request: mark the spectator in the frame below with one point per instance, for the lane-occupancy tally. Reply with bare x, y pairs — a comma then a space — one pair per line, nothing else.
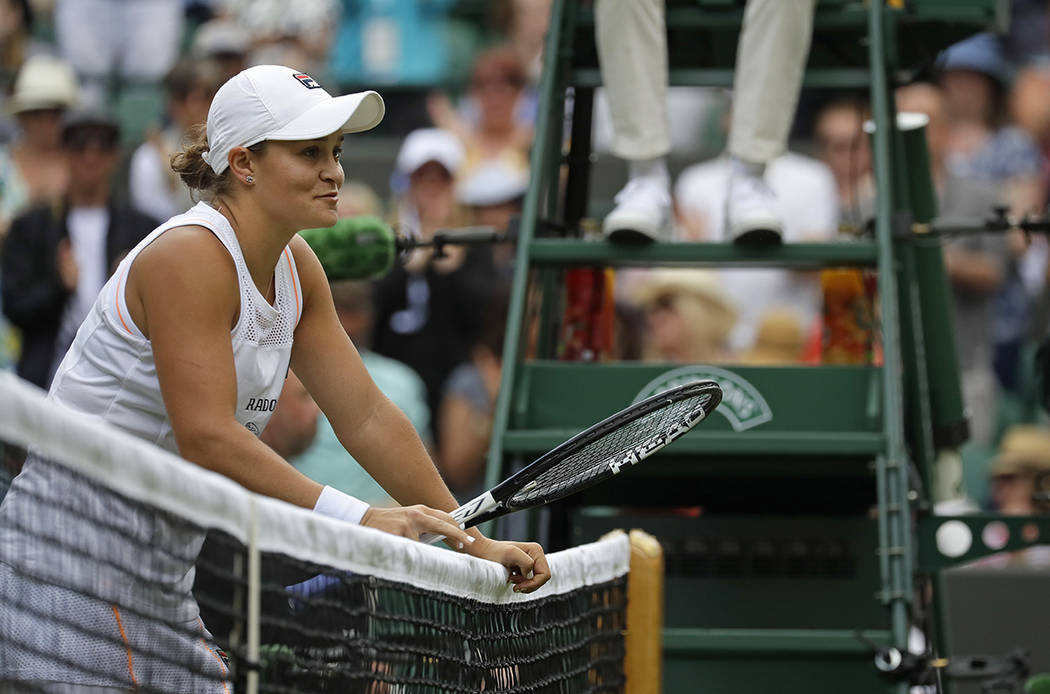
16, 46
293, 424
494, 193
805, 191
420, 306
155, 188
468, 404
424, 177
981, 143
843, 146
33, 168
976, 264
1024, 454
689, 318
326, 461
286, 33
133, 43
496, 86
57, 257
779, 340
223, 41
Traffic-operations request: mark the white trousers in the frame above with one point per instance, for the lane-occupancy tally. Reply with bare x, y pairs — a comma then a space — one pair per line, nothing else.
135, 39
771, 58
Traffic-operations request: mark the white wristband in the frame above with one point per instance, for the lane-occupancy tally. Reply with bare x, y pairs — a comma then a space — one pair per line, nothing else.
335, 504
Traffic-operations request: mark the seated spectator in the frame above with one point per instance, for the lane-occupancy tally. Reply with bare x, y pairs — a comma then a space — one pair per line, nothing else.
689, 317
285, 33
155, 188
494, 193
468, 405
980, 143
1024, 454
489, 130
420, 316
224, 41
843, 146
423, 181
806, 194
57, 257
33, 168
779, 341
326, 461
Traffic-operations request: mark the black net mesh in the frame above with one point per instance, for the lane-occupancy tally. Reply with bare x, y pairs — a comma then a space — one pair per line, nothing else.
590, 463
99, 589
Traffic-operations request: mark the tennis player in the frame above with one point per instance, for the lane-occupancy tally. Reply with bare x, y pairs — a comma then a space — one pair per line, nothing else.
188, 346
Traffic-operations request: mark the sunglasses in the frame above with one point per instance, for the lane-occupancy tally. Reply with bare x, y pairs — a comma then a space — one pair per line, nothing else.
99, 138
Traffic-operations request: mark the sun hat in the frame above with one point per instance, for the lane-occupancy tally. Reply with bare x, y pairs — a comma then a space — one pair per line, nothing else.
274, 102
691, 282
493, 182
430, 144
44, 82
779, 339
1025, 449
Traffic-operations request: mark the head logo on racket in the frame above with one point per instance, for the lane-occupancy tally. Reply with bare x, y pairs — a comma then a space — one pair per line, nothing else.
597, 453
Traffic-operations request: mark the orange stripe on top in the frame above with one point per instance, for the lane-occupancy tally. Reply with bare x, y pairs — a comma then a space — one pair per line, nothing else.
127, 646
295, 283
119, 314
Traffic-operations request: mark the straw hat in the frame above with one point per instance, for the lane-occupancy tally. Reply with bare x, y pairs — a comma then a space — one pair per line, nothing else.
1025, 449
699, 284
778, 339
43, 82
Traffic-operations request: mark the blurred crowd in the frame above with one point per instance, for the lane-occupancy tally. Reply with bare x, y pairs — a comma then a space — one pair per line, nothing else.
95, 95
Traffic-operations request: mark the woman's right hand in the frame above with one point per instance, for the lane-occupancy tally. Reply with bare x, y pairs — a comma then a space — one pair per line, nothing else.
413, 521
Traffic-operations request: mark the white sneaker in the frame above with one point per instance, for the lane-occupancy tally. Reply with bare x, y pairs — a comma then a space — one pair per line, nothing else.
642, 213
752, 214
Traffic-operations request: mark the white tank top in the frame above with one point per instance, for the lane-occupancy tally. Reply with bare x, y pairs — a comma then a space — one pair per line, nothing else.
109, 369
109, 373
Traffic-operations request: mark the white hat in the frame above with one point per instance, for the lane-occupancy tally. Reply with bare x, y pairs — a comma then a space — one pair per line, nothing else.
273, 102
430, 144
493, 182
218, 37
43, 82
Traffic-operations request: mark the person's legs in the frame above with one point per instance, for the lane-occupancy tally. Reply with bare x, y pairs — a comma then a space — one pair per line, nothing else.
85, 32
771, 59
632, 49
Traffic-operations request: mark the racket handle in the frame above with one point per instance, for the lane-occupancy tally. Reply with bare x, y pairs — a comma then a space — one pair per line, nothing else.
468, 515
431, 538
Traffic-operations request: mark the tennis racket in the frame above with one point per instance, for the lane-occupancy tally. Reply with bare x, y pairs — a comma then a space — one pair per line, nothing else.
595, 454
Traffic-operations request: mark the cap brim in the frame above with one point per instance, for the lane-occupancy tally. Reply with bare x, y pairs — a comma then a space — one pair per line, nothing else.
351, 113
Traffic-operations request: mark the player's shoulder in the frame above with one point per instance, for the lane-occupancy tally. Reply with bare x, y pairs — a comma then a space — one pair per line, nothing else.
190, 249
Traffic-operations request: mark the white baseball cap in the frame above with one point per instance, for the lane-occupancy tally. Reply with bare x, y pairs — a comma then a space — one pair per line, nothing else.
273, 102
430, 144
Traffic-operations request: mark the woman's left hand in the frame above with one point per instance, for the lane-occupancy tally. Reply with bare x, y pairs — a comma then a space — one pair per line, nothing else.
525, 560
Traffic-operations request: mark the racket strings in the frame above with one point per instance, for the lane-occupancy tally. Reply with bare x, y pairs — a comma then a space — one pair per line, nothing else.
596, 460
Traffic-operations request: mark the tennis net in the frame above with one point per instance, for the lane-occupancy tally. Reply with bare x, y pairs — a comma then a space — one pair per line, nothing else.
109, 545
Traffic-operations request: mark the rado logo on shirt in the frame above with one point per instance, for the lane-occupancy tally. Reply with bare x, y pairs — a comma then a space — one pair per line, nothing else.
261, 404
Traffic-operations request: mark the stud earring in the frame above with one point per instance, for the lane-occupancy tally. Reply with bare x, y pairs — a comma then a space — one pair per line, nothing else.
249, 180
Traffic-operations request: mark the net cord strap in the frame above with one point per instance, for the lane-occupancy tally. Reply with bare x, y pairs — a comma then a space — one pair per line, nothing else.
145, 473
